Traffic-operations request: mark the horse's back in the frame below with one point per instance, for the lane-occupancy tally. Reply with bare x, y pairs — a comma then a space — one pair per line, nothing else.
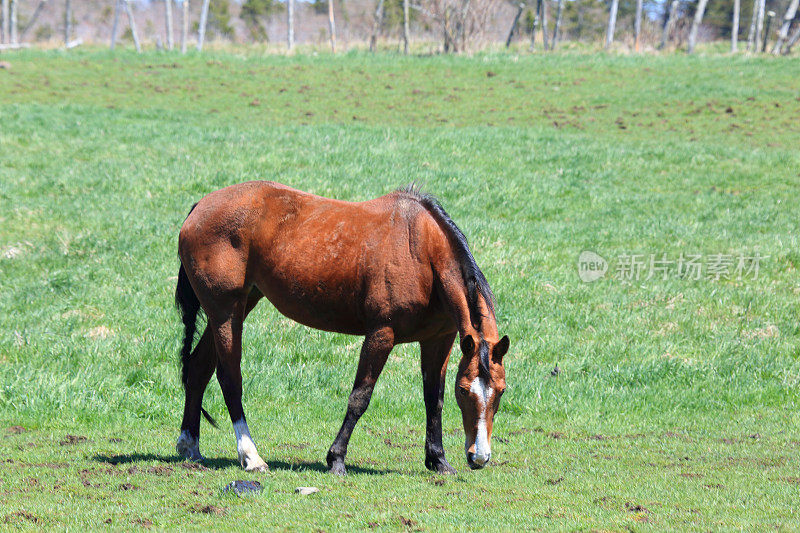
329, 264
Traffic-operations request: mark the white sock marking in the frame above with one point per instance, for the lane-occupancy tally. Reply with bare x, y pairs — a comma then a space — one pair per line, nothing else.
245, 446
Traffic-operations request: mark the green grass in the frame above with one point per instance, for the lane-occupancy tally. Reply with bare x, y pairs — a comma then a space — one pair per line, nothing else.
677, 403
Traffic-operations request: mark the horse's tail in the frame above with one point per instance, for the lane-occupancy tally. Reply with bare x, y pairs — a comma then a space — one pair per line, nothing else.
189, 306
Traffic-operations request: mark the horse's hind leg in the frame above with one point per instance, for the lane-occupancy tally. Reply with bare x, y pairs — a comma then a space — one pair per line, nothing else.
200, 367
227, 330
435, 354
374, 352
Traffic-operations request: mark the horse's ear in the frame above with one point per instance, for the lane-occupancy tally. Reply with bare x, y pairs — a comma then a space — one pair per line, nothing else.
501, 348
467, 345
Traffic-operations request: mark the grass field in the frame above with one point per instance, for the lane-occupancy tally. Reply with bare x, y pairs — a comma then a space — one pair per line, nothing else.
677, 404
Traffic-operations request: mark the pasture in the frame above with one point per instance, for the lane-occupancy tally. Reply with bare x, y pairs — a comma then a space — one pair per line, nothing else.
676, 402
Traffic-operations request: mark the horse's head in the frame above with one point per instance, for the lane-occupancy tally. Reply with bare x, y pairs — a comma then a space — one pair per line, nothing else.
480, 383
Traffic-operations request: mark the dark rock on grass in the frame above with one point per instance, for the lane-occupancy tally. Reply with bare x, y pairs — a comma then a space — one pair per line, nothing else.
241, 487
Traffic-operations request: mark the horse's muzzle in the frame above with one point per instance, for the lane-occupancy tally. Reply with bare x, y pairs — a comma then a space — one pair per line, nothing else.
476, 462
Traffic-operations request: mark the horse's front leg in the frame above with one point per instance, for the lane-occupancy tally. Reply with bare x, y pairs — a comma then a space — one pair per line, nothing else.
374, 352
435, 354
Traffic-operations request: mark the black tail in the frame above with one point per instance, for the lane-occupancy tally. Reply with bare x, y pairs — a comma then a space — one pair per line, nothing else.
189, 306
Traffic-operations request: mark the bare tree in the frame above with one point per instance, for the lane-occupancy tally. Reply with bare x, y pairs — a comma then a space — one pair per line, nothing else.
405, 27
535, 23
168, 23
669, 22
735, 26
637, 26
770, 16
698, 19
115, 24
33, 18
520, 9
544, 25
332, 26
759, 23
132, 22
751, 34
201, 32
612, 22
377, 21
67, 21
557, 27
13, 22
290, 24
4, 31
184, 26
783, 33
792, 40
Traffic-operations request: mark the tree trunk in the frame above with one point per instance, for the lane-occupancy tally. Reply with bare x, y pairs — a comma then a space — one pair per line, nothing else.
115, 25
783, 33
637, 26
168, 23
13, 22
735, 26
67, 21
377, 22
406, 36
332, 26
759, 24
545, 43
698, 19
770, 16
535, 23
462, 26
290, 24
132, 22
557, 27
4, 30
201, 31
514, 24
669, 23
612, 22
32, 20
751, 35
184, 25
792, 40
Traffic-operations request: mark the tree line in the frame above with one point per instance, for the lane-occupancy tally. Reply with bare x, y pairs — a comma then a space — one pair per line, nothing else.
754, 25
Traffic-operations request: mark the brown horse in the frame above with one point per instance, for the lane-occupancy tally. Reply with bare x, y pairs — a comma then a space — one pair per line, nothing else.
395, 269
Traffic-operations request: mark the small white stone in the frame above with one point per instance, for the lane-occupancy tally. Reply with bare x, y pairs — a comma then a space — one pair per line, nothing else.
305, 491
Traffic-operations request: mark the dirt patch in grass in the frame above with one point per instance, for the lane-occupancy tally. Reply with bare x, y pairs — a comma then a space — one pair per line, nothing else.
21, 516
193, 467
160, 470
70, 440
555, 481
207, 509
409, 523
143, 522
15, 430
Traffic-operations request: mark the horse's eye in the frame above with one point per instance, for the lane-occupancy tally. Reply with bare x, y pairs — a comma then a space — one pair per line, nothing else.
462, 391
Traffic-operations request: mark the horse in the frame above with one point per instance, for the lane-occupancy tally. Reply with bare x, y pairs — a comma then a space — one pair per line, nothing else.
395, 269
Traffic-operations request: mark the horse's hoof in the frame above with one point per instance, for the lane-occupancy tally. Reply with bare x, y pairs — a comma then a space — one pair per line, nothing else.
188, 448
440, 466
338, 469
257, 465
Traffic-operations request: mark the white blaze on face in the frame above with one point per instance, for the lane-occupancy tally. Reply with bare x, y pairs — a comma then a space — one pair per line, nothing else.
484, 393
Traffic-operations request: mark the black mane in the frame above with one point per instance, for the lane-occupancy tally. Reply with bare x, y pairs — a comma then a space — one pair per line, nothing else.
474, 279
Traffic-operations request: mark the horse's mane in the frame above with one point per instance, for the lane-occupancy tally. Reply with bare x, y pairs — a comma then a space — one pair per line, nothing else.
474, 280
